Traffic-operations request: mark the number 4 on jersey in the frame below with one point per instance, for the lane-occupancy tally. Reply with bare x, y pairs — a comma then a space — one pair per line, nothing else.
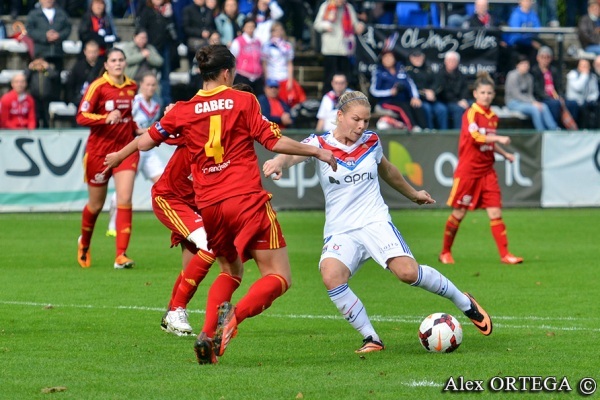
213, 147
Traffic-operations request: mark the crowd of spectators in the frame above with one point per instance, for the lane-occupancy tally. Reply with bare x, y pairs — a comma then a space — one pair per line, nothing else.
265, 35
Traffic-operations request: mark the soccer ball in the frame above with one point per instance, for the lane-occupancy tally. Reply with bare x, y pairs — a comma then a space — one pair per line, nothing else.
440, 333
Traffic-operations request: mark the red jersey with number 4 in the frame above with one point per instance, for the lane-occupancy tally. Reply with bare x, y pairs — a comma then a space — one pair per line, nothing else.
219, 127
475, 156
102, 97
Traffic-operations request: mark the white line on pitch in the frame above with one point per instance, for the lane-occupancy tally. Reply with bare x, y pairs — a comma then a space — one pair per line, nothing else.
376, 318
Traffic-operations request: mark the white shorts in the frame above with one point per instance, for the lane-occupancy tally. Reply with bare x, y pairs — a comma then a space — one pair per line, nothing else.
379, 241
151, 165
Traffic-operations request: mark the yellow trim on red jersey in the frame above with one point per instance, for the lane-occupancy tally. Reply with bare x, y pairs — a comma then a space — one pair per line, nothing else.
274, 239
126, 81
212, 92
92, 88
477, 136
455, 183
172, 215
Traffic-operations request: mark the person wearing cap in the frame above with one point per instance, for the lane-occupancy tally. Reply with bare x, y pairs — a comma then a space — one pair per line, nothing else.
547, 85
429, 85
518, 95
395, 90
272, 107
589, 28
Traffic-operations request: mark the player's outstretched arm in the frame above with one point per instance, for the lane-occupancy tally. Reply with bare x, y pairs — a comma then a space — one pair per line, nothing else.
113, 160
286, 145
145, 142
509, 156
392, 176
274, 167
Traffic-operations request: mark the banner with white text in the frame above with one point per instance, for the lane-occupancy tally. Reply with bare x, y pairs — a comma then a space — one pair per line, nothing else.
43, 171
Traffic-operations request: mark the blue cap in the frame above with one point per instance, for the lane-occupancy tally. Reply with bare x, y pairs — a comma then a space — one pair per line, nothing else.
272, 83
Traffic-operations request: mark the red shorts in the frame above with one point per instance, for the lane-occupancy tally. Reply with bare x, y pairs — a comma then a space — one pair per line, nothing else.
472, 193
240, 224
179, 218
93, 166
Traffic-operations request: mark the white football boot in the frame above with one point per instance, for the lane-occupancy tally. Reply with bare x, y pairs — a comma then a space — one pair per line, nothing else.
176, 322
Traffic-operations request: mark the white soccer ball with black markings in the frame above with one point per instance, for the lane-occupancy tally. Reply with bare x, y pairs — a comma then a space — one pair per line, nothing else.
440, 333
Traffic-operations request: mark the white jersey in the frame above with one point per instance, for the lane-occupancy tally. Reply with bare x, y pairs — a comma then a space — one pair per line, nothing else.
352, 193
144, 113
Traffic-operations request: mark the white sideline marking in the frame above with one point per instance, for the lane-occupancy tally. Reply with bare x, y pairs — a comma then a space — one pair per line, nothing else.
414, 383
377, 318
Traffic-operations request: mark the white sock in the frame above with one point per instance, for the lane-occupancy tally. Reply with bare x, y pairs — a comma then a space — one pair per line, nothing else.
112, 213
433, 281
352, 310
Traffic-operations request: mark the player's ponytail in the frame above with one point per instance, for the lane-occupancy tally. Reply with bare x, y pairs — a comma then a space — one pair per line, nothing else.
213, 59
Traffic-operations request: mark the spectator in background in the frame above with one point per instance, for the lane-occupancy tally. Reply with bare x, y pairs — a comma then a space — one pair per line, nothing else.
49, 26
229, 22
278, 64
455, 89
17, 107
481, 18
338, 24
582, 88
198, 24
43, 80
247, 52
430, 86
524, 16
547, 9
589, 28
157, 19
327, 113
84, 72
395, 91
272, 107
97, 25
142, 57
547, 87
518, 95
265, 12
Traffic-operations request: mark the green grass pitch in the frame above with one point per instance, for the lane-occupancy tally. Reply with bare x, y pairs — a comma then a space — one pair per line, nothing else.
94, 333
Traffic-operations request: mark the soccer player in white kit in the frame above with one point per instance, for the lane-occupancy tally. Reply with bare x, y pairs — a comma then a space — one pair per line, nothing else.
358, 225
145, 111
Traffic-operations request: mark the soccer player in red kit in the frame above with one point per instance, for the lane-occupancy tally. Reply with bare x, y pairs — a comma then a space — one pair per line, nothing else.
106, 109
173, 204
220, 125
17, 107
475, 181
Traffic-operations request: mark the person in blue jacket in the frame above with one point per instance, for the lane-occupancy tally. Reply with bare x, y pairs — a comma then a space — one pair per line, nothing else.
394, 90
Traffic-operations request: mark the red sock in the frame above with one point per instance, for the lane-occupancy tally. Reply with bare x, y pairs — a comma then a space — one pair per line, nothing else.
190, 278
124, 216
260, 296
452, 225
88, 221
499, 233
221, 290
174, 291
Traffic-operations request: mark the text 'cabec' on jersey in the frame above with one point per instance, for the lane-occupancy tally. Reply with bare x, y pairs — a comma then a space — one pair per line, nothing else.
219, 127
352, 193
